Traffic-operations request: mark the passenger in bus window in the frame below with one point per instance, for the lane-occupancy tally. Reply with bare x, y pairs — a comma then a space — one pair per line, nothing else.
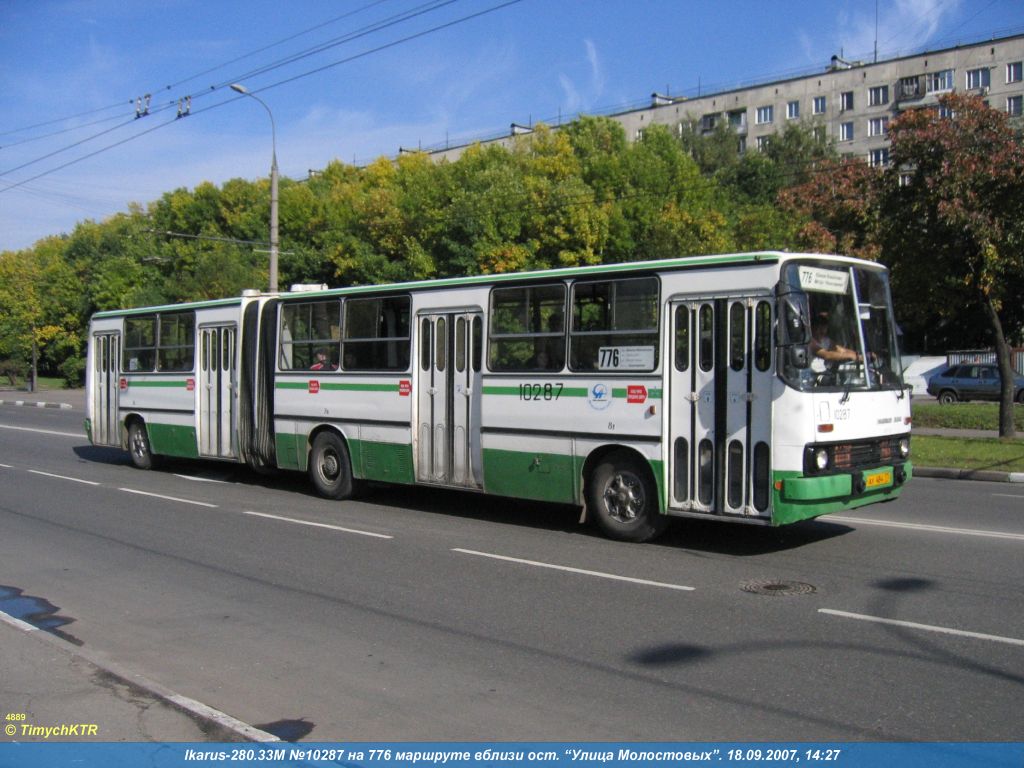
322, 362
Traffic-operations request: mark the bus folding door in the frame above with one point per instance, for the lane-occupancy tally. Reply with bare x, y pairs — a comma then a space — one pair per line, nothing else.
720, 388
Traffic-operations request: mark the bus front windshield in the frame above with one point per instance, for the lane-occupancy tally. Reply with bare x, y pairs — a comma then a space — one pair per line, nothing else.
849, 329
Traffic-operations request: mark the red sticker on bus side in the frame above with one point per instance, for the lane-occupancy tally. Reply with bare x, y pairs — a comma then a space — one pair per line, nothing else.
190, 385
123, 383
636, 393
314, 386
405, 388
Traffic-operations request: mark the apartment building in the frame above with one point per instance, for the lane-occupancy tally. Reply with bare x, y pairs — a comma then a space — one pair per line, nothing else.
851, 101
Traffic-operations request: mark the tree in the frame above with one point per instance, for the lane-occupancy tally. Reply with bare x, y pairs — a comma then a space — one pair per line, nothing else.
839, 202
954, 217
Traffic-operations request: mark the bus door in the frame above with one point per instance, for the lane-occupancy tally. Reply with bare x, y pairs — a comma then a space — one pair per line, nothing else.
107, 360
217, 385
720, 405
448, 434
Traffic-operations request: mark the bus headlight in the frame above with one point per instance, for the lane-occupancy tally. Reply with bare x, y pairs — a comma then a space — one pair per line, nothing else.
821, 459
905, 447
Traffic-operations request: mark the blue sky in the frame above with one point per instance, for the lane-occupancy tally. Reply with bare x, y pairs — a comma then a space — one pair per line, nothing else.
71, 69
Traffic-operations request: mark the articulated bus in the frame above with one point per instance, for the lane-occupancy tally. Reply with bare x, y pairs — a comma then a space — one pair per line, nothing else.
644, 391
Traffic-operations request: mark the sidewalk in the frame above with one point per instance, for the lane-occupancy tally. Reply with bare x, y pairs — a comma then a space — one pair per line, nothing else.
57, 692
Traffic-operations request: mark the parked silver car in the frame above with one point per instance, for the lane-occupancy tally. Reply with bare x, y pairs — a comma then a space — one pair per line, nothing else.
971, 381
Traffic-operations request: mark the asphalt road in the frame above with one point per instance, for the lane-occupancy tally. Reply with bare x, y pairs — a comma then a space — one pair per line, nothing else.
431, 615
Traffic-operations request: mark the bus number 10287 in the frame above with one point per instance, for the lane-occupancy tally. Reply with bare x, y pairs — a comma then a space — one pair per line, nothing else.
540, 391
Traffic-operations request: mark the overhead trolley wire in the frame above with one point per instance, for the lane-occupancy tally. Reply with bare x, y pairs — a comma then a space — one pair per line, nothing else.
140, 134
383, 24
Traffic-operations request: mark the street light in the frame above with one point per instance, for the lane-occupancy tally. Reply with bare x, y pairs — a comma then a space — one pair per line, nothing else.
238, 88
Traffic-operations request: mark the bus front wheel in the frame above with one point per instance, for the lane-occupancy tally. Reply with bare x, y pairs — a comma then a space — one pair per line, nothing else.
330, 468
623, 496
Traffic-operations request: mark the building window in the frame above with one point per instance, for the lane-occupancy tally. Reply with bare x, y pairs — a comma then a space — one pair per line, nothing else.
878, 95
793, 110
738, 120
707, 123
820, 134
763, 142
820, 105
978, 78
879, 157
846, 131
741, 146
906, 178
1014, 105
846, 101
909, 88
940, 81
1013, 72
765, 115
878, 126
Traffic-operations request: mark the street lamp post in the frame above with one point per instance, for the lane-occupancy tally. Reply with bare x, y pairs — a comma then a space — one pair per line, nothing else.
238, 88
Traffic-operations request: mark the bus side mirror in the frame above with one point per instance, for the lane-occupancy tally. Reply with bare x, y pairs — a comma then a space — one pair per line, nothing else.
798, 356
795, 326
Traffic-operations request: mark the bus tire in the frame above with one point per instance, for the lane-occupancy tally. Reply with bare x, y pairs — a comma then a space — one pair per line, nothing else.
624, 499
138, 446
330, 469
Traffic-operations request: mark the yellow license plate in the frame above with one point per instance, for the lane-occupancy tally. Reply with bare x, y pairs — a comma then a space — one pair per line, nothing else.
878, 479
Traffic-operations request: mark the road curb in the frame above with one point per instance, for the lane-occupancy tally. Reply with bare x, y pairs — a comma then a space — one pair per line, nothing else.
969, 474
37, 404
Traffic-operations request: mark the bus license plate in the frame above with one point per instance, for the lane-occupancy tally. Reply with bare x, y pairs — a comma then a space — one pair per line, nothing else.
878, 479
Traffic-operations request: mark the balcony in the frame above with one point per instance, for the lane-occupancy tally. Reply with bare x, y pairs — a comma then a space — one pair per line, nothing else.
910, 89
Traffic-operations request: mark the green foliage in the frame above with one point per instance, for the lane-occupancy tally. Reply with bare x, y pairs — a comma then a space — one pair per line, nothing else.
582, 194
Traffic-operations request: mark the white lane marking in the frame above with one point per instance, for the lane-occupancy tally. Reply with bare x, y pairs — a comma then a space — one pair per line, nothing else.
63, 477
929, 528
80, 435
6, 466
8, 619
925, 627
568, 569
1009, 495
195, 479
169, 498
318, 525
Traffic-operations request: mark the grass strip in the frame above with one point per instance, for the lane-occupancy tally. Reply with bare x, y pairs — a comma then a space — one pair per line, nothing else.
968, 453
962, 416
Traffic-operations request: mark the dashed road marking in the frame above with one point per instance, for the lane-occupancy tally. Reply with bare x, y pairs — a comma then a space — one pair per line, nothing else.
568, 569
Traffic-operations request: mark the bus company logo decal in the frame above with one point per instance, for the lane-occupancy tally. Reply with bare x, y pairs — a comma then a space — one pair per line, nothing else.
599, 396
314, 386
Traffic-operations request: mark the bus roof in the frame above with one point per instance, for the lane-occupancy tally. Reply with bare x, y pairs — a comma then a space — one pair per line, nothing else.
686, 262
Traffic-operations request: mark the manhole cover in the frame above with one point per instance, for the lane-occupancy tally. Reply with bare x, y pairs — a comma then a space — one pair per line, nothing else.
776, 587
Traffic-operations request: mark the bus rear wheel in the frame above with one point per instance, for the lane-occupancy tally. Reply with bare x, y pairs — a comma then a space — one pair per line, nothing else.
138, 446
330, 468
623, 496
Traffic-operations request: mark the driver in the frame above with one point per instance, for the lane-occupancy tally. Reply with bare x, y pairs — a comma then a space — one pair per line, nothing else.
823, 348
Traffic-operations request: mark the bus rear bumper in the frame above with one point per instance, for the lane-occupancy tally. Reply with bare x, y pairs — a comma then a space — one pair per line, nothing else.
798, 497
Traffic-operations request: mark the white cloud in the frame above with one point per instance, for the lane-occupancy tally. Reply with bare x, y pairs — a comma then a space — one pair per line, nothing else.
902, 25
576, 98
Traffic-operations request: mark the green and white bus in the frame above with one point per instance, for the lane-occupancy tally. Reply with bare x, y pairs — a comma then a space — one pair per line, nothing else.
643, 391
